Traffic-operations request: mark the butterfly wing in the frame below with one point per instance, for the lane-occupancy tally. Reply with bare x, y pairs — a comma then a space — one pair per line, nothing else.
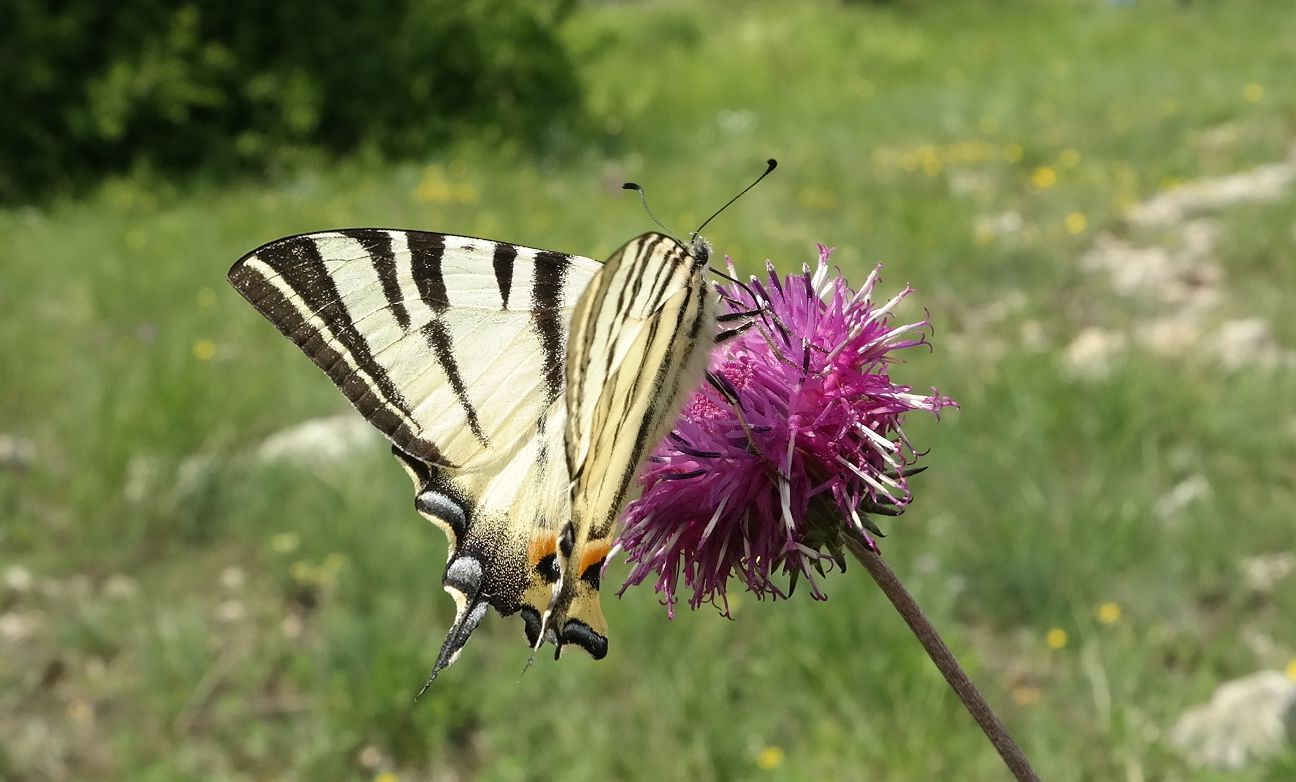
454, 348
641, 335
447, 344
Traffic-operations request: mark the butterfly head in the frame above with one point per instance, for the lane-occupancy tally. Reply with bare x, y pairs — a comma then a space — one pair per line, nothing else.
699, 249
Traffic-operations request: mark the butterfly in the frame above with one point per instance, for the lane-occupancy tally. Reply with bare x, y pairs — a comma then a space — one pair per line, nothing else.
521, 389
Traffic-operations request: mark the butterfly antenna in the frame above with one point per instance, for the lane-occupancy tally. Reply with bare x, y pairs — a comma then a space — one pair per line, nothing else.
770, 165
643, 197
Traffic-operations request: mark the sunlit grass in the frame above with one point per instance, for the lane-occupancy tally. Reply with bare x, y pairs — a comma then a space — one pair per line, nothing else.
978, 150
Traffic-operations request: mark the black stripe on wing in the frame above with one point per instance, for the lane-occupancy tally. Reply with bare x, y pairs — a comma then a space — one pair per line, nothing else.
426, 252
379, 246
550, 276
505, 254
297, 261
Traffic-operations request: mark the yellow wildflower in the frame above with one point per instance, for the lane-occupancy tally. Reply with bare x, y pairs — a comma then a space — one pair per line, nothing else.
331, 566
204, 350
1075, 223
770, 758
1056, 638
1025, 695
983, 234
1043, 177
436, 188
285, 542
302, 572
1291, 669
1109, 612
80, 711
1253, 93
815, 198
1014, 153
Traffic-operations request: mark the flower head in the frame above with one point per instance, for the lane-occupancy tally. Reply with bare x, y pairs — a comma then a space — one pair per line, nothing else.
794, 440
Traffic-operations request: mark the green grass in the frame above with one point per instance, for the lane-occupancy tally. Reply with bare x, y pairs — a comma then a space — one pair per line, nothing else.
123, 356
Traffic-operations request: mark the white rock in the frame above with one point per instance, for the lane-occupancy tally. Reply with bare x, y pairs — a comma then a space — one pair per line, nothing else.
1264, 183
16, 452
15, 626
1186, 277
1002, 224
233, 578
1091, 354
320, 441
1171, 336
120, 586
1247, 719
230, 611
1185, 493
18, 578
1246, 342
1262, 573
143, 476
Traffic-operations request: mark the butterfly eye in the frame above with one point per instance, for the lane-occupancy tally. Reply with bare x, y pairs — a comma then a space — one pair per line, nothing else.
548, 569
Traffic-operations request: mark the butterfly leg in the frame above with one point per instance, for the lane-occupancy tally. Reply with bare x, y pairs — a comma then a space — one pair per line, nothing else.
730, 395
748, 319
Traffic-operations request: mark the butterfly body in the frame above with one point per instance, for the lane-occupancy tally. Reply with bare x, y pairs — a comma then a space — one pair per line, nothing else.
521, 389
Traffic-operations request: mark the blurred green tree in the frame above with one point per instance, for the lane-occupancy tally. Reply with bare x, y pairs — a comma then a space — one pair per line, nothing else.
95, 88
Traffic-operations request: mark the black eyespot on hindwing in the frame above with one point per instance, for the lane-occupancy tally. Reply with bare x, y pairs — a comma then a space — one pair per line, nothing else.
464, 574
593, 574
548, 568
579, 633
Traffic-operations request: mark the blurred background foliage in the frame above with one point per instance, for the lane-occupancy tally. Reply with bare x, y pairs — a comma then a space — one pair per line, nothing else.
1095, 201
100, 88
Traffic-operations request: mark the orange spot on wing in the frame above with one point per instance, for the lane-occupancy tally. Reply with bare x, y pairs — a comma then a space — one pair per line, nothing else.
592, 554
542, 545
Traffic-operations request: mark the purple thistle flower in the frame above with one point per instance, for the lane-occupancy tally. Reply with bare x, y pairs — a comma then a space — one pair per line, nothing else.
796, 439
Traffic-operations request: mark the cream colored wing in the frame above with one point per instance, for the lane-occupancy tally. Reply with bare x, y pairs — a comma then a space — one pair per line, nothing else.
640, 337
452, 346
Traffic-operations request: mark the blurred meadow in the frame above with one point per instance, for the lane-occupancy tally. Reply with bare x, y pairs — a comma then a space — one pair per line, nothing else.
1097, 205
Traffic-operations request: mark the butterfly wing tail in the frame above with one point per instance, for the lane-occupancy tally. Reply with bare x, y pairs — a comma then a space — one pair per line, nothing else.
470, 614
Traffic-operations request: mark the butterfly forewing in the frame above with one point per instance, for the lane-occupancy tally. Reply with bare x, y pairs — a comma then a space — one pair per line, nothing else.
451, 346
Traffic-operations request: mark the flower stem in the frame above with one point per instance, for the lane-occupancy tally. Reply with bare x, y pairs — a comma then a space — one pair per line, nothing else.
1012, 755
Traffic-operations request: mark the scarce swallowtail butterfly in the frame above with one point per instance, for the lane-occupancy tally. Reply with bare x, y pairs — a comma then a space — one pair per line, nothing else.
521, 389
